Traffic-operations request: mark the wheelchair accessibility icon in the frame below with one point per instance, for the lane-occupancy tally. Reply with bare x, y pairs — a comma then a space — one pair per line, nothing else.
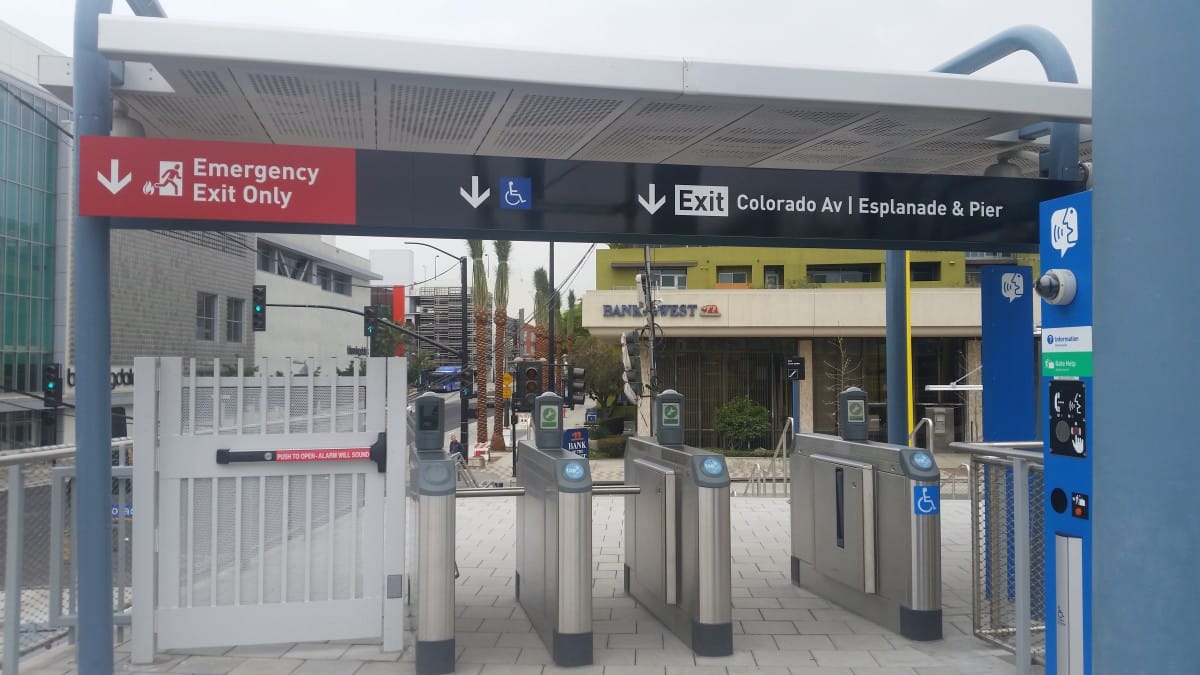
926, 500
516, 193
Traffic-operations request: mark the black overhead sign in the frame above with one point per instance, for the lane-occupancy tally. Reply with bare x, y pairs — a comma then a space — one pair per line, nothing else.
517, 198
463, 196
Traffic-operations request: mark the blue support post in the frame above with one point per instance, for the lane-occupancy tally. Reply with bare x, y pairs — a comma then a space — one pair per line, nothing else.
1146, 539
896, 320
93, 349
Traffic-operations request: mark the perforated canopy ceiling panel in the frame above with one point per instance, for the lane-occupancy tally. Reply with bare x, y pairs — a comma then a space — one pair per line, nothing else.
275, 85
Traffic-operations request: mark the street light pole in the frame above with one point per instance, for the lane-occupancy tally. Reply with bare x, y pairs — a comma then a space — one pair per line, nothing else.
463, 399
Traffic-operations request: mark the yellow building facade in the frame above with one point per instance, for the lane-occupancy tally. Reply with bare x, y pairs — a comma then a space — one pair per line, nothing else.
729, 318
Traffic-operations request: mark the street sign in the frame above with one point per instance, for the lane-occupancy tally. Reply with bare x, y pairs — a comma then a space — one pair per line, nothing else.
141, 182
207, 180
576, 441
795, 368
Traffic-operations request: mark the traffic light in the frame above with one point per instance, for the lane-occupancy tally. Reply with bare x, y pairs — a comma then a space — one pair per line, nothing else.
467, 383
575, 386
529, 384
631, 358
259, 308
369, 319
51, 386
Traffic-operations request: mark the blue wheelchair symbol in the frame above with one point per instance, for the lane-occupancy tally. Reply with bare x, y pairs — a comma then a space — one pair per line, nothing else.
927, 500
516, 193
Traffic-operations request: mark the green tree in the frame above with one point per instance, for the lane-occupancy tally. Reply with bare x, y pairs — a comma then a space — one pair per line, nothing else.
417, 361
602, 371
481, 302
503, 249
542, 292
742, 421
572, 321
385, 338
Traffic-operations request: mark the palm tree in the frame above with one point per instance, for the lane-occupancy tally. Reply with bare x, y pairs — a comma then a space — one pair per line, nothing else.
503, 248
569, 325
480, 301
541, 316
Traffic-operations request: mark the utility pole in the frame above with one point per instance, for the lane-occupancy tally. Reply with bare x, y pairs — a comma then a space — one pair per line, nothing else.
462, 356
645, 415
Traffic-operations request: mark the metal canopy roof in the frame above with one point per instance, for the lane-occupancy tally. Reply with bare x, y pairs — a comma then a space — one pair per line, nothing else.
276, 85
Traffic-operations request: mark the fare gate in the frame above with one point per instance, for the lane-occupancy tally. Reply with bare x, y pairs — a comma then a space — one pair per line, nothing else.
677, 539
268, 503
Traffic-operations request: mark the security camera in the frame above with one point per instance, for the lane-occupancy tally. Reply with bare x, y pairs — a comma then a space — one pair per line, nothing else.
1056, 286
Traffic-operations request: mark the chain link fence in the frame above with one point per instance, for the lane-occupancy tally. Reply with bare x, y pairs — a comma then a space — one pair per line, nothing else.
993, 554
38, 555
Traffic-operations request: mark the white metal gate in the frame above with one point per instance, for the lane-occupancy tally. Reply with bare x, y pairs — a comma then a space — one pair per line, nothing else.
262, 550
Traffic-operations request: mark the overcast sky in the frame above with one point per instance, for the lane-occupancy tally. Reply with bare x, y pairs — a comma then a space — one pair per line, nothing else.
878, 35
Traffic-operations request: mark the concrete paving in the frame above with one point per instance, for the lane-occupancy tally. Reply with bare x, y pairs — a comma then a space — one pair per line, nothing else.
778, 627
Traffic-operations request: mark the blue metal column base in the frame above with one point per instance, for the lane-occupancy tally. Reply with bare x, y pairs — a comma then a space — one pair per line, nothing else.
435, 658
712, 639
572, 649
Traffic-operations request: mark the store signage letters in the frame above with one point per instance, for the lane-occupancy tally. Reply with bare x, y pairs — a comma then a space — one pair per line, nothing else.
663, 310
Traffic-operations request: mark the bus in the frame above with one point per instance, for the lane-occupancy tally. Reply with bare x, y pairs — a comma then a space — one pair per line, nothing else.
444, 378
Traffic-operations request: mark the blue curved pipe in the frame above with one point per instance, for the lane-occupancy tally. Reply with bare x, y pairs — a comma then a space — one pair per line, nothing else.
1060, 161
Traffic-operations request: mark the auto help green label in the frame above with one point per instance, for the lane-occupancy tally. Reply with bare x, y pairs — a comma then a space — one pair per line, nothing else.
1067, 352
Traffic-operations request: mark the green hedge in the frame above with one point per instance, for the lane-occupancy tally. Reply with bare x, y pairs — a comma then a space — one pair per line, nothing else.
614, 424
609, 448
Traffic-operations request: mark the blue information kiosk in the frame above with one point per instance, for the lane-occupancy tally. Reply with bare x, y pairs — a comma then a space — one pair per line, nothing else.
1066, 365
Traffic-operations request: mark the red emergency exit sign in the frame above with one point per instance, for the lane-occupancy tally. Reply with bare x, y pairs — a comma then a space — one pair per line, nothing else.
205, 180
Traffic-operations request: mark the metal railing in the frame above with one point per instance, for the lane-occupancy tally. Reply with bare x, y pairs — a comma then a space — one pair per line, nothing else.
928, 424
756, 483
40, 558
465, 476
1007, 547
780, 471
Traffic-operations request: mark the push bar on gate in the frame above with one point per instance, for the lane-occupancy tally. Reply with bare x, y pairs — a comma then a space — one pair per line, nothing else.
517, 491
377, 452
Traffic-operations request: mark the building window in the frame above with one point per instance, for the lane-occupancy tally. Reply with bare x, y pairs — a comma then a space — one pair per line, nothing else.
733, 275
843, 274
925, 271
266, 256
773, 276
206, 316
324, 278
674, 278
341, 283
234, 308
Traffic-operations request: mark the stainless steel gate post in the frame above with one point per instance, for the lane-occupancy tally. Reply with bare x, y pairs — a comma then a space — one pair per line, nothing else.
432, 479
434, 488
554, 539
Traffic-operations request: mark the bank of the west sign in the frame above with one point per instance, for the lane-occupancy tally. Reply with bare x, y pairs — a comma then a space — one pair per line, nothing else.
663, 310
